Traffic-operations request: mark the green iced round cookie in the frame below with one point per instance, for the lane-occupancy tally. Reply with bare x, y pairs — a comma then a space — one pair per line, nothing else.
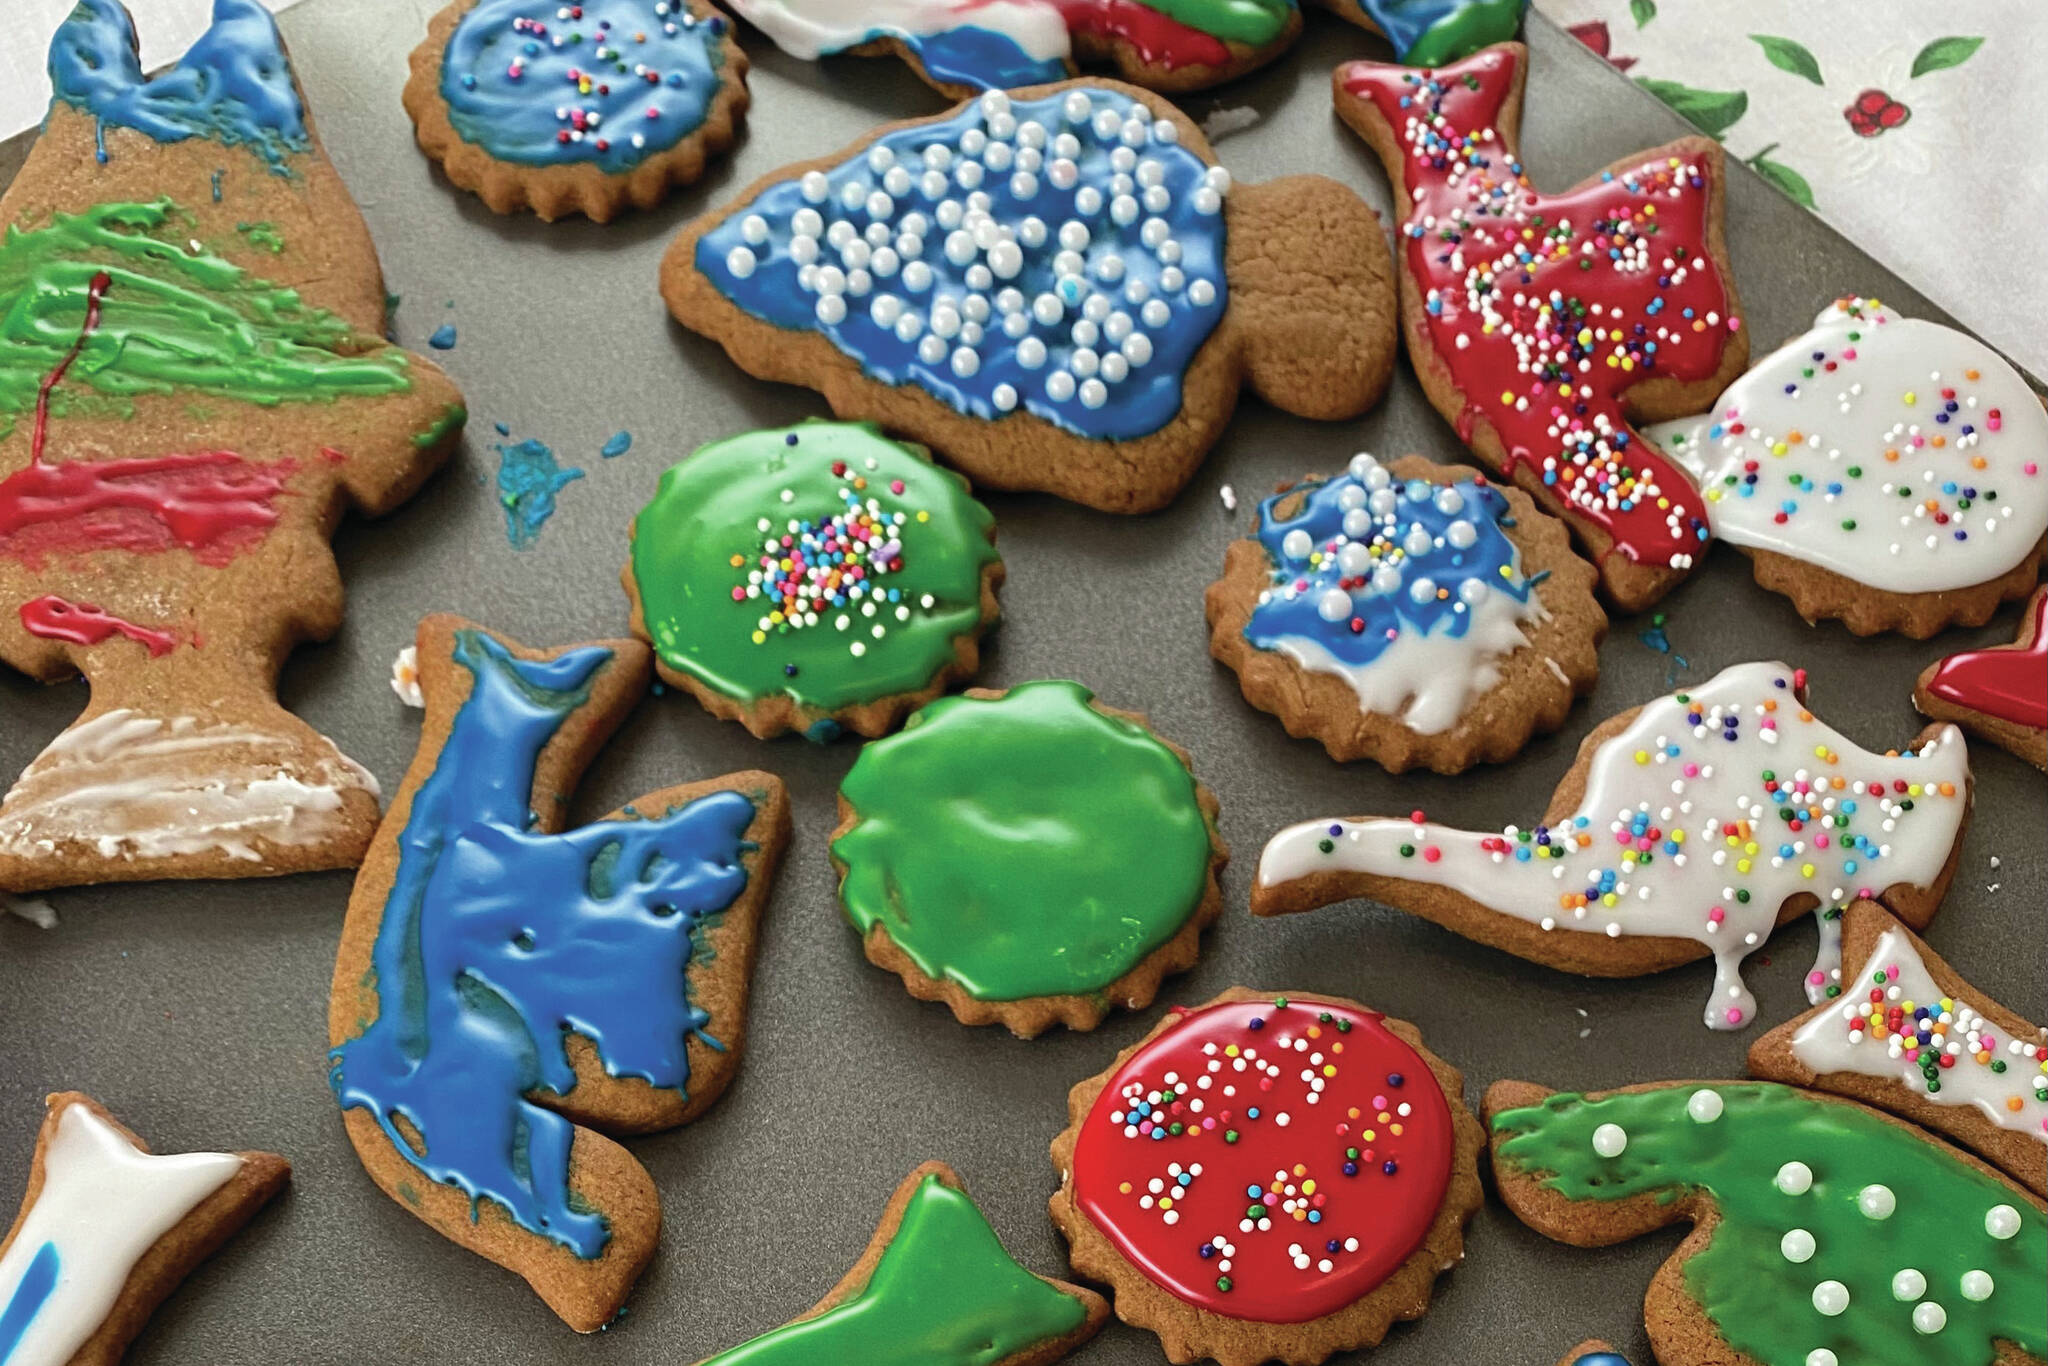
823, 563
1023, 846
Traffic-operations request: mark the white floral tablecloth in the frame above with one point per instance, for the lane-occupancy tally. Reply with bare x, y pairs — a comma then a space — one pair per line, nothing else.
1917, 128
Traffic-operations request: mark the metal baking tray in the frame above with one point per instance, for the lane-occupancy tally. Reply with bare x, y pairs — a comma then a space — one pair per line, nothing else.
197, 1011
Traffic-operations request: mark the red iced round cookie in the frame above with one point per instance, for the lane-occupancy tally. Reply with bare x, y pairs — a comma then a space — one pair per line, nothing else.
1269, 1162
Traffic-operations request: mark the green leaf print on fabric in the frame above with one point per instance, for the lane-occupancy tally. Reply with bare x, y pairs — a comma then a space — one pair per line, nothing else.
1787, 55
1943, 53
1788, 181
1642, 11
1713, 112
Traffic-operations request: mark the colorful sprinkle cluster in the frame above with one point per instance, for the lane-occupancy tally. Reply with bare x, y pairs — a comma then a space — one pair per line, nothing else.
1548, 307
1940, 1035
1287, 1199
813, 570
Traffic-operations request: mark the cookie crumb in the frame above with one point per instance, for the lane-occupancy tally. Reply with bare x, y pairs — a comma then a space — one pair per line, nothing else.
1221, 123
1229, 497
405, 677
35, 911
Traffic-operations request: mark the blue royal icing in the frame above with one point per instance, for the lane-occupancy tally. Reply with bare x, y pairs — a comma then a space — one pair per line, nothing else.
33, 1291
610, 82
977, 58
1370, 561
497, 941
1062, 255
233, 85
1600, 1359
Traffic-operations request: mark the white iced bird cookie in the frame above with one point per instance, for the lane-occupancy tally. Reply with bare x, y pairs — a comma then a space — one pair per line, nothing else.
1901, 456
1690, 827
107, 1229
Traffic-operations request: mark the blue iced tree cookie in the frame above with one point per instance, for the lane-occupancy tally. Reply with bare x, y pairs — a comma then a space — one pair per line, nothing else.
509, 992
585, 108
1055, 288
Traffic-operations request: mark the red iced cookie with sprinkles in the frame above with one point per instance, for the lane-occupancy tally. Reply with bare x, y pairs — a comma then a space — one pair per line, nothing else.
1267, 1176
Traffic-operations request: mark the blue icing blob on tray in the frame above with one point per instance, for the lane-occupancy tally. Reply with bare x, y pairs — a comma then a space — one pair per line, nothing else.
233, 85
498, 940
612, 84
1370, 556
1061, 256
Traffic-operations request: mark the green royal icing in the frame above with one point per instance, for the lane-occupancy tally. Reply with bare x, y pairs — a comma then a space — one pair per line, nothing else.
709, 512
1023, 846
944, 1294
1466, 29
1251, 22
173, 319
1761, 1301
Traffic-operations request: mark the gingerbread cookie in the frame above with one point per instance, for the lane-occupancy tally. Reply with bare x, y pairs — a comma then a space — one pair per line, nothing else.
1263, 1178
1824, 1234
1410, 613
816, 578
583, 108
1029, 857
107, 1231
1689, 827
1548, 328
2000, 692
935, 1288
192, 391
1885, 471
1907, 1034
962, 47
508, 993
1055, 288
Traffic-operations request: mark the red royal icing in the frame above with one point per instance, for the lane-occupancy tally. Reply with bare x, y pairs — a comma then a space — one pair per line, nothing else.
1548, 308
213, 503
1158, 39
53, 618
2010, 684
1256, 1132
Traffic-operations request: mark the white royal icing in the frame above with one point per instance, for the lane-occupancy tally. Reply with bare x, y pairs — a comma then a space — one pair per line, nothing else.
1896, 452
405, 677
1678, 822
103, 1204
134, 786
811, 29
1842, 1040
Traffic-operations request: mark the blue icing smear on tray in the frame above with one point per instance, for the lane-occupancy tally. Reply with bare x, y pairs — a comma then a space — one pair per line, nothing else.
610, 82
1062, 256
233, 85
497, 941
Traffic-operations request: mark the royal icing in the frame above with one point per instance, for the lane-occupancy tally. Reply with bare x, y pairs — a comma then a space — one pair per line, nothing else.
1407, 590
1898, 453
824, 563
1895, 1022
1600, 1359
1432, 32
1270, 1161
405, 677
1842, 1238
498, 940
1714, 807
1023, 846
233, 85
944, 1293
131, 786
1062, 256
81, 623
1548, 308
2008, 683
103, 1204
607, 83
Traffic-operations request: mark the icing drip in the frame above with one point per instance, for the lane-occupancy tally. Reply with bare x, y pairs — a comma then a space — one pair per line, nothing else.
79, 623
1705, 815
1894, 1022
1063, 256
1896, 452
1548, 307
1408, 591
133, 786
498, 941
103, 1205
234, 85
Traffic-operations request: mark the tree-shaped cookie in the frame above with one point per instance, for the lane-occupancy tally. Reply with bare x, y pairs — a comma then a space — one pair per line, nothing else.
1547, 327
506, 989
192, 392
1823, 1233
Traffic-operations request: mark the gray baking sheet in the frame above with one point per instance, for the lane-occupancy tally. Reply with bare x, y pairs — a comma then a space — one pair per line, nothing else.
197, 1011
